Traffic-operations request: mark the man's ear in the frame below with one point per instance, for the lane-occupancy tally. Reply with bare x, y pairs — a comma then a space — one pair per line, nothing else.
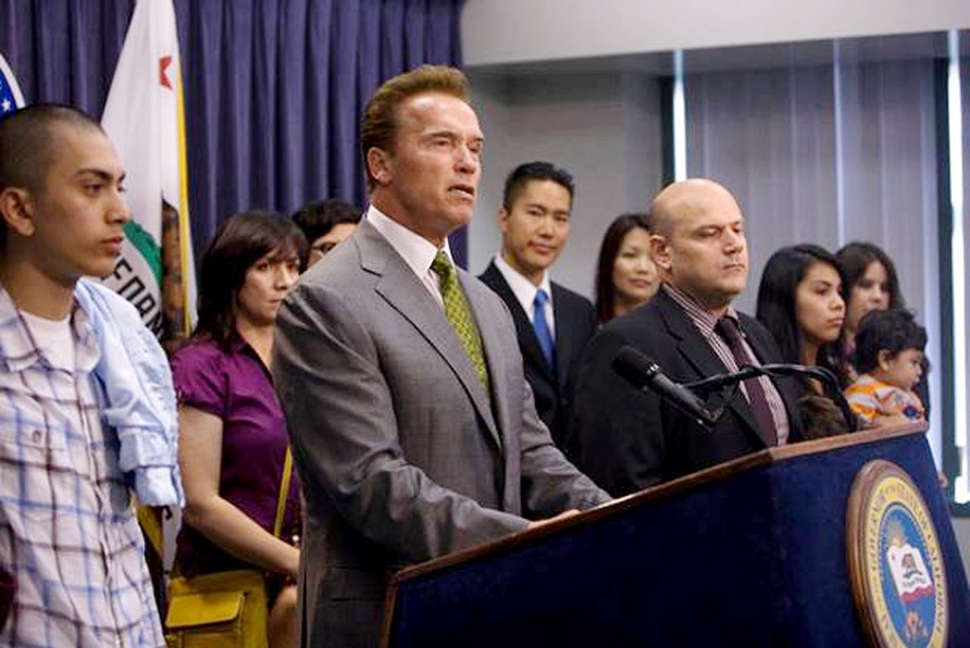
503, 220
379, 165
17, 211
660, 251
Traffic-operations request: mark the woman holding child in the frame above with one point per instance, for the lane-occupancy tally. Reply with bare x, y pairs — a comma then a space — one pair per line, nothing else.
872, 286
819, 307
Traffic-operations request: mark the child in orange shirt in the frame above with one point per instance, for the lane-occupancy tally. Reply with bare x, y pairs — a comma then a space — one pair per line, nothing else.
889, 359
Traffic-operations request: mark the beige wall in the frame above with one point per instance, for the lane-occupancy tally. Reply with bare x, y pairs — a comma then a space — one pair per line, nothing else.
511, 31
602, 128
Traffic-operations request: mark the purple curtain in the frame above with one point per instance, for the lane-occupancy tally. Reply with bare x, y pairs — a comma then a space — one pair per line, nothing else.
274, 89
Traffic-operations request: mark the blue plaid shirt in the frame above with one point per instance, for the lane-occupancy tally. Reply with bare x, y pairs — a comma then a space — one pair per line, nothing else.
68, 528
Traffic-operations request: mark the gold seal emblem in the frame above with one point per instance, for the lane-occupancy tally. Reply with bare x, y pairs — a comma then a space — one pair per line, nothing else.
895, 563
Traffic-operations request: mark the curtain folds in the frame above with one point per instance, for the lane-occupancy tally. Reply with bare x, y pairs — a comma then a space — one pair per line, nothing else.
808, 167
274, 89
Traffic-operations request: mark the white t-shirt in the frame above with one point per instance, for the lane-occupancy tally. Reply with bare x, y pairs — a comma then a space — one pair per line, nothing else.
54, 338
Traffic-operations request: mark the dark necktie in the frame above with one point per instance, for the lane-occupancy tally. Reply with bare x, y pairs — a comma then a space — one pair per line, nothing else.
543, 334
459, 315
757, 399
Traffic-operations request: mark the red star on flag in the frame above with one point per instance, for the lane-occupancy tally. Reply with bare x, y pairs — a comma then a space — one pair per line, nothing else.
163, 64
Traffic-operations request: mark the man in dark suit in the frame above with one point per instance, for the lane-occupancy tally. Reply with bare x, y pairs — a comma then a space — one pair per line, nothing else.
413, 427
627, 439
553, 324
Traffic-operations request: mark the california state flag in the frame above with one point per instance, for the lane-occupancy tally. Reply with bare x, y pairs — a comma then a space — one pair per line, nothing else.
145, 119
909, 572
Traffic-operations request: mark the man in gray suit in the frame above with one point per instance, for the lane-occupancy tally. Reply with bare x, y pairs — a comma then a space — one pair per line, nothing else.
413, 428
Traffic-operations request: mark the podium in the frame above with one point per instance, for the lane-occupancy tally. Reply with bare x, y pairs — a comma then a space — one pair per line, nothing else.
748, 553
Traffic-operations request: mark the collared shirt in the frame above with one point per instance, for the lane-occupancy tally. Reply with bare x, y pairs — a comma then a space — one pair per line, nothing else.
69, 529
706, 322
418, 252
525, 291
235, 386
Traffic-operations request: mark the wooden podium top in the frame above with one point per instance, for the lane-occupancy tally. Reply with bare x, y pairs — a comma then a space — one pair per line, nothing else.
708, 475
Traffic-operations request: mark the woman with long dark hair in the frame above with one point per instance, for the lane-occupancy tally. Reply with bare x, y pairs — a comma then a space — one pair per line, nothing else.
871, 284
626, 276
233, 438
801, 300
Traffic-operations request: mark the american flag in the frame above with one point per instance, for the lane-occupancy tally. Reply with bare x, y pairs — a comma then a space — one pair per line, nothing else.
11, 98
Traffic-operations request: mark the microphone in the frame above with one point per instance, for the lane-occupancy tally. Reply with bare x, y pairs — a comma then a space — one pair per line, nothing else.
640, 371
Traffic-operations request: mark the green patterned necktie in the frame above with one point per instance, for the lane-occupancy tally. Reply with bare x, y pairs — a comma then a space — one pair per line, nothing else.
460, 315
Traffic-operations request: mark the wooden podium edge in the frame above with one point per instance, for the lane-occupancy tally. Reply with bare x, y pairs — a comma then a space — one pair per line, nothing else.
716, 473
860, 493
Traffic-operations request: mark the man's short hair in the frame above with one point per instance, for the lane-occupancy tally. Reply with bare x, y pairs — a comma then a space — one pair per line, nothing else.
378, 128
516, 181
29, 141
893, 331
318, 217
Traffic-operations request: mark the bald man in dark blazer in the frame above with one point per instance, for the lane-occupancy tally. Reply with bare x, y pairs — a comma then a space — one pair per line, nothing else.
629, 439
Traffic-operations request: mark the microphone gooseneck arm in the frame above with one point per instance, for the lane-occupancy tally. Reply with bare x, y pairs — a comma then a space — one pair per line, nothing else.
823, 375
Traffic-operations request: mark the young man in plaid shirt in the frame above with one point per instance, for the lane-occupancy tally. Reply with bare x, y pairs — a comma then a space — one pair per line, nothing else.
68, 529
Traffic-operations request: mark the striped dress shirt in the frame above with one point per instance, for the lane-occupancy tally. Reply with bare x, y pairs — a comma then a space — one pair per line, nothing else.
68, 528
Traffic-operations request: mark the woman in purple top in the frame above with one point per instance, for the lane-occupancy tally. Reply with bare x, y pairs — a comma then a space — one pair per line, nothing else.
232, 435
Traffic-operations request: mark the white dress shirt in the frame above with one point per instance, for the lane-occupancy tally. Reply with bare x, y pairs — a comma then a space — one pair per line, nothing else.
525, 291
418, 252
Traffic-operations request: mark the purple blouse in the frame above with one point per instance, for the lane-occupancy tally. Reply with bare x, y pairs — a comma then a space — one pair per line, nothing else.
236, 387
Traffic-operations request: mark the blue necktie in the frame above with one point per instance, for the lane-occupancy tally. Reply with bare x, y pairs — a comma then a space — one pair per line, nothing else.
543, 334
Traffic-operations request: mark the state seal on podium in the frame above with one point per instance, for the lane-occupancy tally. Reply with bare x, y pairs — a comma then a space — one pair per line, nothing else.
895, 564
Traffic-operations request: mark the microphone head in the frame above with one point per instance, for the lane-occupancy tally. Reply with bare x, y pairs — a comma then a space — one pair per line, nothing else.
634, 366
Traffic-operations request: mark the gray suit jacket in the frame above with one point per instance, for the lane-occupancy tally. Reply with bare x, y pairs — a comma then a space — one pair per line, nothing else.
401, 454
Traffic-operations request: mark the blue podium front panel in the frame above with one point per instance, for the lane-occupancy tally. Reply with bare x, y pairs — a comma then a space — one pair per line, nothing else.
751, 557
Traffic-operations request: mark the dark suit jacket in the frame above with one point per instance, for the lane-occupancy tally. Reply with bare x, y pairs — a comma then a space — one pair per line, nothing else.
626, 439
575, 325
402, 455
